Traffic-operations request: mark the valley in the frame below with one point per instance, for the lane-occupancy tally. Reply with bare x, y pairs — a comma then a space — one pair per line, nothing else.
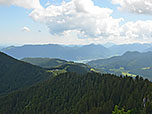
75, 56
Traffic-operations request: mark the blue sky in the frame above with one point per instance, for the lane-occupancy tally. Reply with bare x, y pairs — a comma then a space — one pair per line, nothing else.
15, 17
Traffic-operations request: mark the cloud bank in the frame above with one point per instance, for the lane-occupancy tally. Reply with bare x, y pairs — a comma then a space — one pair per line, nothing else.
28, 4
81, 16
140, 31
88, 20
135, 6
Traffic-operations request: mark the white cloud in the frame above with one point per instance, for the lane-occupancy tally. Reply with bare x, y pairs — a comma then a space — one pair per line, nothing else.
25, 29
81, 16
87, 20
139, 31
135, 6
29, 4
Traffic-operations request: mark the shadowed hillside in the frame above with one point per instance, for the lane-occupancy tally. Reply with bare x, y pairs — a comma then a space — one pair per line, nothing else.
16, 74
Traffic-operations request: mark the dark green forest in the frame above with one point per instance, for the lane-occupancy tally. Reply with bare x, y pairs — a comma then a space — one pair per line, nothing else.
15, 74
93, 93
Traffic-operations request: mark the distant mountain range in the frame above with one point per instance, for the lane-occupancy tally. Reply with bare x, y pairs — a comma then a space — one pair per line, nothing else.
73, 53
130, 63
58, 51
121, 49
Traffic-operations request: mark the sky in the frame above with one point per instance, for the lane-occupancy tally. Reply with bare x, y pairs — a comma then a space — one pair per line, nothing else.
71, 22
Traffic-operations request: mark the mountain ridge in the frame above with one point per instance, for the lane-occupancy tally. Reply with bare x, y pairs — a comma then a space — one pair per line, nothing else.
72, 53
58, 51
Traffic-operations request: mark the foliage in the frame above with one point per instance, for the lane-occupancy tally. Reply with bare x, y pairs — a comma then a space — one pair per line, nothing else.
120, 111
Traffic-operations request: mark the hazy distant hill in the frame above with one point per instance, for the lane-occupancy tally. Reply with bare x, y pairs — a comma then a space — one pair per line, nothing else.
130, 63
149, 49
72, 53
91, 51
16, 74
121, 49
1, 47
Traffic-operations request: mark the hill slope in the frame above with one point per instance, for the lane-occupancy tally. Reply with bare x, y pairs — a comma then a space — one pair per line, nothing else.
131, 63
76, 94
59, 66
45, 62
16, 74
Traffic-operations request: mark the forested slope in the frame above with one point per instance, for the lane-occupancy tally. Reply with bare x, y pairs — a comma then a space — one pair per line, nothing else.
70, 93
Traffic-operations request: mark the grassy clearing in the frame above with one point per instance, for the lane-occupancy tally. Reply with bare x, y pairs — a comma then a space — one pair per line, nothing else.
123, 72
146, 68
93, 70
56, 72
128, 74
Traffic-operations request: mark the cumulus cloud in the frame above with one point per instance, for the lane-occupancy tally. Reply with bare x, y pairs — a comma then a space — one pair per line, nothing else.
140, 30
135, 6
29, 4
25, 29
81, 16
87, 20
